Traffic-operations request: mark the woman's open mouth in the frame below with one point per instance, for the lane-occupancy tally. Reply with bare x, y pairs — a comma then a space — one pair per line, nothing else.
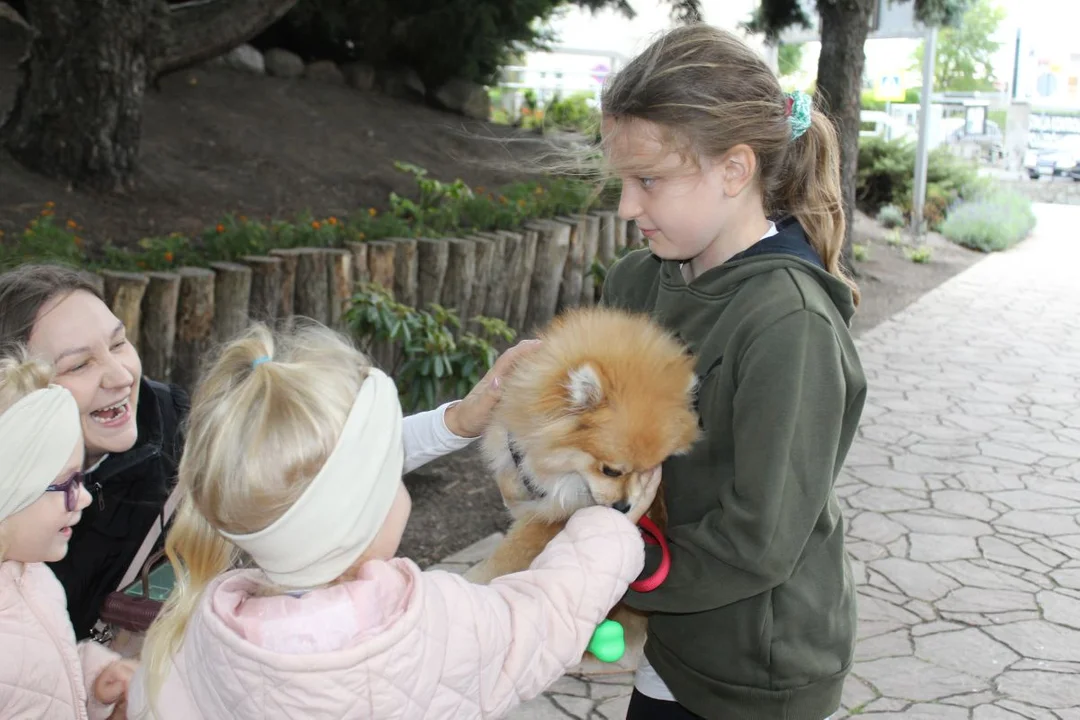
113, 415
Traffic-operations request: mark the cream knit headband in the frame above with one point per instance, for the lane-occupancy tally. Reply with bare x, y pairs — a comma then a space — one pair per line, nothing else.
344, 507
37, 435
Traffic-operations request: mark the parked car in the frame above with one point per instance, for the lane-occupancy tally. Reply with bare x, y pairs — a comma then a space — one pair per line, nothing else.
1060, 161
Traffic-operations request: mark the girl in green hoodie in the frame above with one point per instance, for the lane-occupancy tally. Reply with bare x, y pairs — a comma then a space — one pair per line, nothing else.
736, 187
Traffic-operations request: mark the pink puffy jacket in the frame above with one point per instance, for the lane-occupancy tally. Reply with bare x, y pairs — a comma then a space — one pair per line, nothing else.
398, 643
44, 674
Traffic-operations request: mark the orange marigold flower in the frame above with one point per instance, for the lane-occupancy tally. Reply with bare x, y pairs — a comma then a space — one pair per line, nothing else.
316, 224
78, 241
503, 200
521, 202
372, 212
168, 256
220, 228
480, 189
50, 204
1, 233
243, 218
46, 213
72, 225
332, 220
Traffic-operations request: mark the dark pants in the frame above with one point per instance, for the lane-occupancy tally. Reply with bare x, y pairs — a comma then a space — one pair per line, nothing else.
643, 707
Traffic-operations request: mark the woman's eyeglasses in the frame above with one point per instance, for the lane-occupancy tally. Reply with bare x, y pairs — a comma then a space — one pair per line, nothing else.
70, 488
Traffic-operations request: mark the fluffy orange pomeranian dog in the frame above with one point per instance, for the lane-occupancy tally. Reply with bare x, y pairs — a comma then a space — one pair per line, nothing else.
606, 397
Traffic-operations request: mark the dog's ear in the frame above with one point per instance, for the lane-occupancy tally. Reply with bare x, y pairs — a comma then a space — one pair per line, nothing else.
586, 390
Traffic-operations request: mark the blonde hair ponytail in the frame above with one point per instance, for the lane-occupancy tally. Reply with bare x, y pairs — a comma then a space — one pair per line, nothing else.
265, 417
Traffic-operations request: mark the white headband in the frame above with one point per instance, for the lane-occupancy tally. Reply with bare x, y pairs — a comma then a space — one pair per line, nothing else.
344, 507
37, 435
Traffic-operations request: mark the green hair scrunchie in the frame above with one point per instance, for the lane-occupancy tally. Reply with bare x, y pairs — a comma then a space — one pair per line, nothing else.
799, 109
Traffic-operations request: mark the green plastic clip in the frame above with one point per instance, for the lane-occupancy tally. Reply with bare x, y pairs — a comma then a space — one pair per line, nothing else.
608, 642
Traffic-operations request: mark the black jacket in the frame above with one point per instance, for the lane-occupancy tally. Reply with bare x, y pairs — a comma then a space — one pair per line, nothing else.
129, 491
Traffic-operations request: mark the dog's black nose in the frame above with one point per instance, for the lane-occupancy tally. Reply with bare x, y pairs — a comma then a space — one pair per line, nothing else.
622, 506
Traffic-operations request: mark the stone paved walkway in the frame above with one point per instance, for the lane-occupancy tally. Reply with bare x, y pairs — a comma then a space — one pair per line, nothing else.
962, 496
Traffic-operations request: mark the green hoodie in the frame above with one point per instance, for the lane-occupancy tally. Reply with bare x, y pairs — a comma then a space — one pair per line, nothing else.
757, 616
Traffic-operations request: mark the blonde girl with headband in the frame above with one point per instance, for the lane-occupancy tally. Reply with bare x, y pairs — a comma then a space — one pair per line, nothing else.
736, 186
44, 674
295, 456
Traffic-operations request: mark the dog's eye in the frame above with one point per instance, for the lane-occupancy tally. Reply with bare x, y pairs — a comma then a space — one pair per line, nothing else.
612, 472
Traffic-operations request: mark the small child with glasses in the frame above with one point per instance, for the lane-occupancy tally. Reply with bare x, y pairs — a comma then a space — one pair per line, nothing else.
43, 672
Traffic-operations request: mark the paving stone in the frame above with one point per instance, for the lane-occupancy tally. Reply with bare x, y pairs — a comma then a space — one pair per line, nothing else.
971, 699
1060, 609
1042, 523
981, 600
573, 706
942, 525
894, 644
937, 548
886, 500
569, 685
1040, 640
856, 693
1041, 689
993, 712
615, 708
883, 705
968, 651
917, 580
876, 528
923, 711
1029, 500
1007, 552
916, 680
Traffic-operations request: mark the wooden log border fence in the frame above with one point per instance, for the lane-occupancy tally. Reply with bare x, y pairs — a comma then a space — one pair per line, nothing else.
522, 277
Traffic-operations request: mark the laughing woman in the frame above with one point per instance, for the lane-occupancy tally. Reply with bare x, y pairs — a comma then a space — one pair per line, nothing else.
133, 425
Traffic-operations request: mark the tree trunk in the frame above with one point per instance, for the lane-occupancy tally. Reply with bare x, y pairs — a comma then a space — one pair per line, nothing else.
78, 110
77, 114
844, 27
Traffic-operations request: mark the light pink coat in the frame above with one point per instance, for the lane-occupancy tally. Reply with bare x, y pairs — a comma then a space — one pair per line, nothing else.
398, 643
44, 674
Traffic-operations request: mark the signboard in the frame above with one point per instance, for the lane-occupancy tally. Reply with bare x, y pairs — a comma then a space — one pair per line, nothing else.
890, 89
889, 20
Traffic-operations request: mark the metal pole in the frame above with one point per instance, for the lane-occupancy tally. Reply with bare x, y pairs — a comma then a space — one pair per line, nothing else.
1016, 66
923, 151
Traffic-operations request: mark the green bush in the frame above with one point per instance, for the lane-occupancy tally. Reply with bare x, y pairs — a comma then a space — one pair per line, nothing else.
886, 176
429, 362
993, 222
891, 217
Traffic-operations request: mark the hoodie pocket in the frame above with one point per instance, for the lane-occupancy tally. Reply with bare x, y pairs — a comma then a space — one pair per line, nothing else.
766, 635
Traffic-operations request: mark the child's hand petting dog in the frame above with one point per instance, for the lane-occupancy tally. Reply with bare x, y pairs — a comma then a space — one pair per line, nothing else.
641, 493
470, 417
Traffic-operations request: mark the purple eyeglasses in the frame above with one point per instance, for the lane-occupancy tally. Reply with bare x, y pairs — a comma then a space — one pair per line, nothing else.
70, 488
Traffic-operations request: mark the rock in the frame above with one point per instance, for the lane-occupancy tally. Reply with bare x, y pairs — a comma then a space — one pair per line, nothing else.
324, 71
465, 97
359, 76
283, 64
246, 59
401, 82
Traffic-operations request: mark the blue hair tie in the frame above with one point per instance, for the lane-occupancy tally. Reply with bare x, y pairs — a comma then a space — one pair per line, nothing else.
799, 110
259, 361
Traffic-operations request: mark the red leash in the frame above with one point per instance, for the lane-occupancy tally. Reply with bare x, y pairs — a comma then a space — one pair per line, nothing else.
653, 536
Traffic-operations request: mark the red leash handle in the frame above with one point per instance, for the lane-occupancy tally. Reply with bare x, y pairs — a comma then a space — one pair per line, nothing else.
653, 536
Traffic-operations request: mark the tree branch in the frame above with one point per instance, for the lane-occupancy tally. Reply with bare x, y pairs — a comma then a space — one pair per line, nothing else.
200, 30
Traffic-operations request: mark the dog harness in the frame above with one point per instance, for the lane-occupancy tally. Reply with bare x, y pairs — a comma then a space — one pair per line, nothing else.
535, 492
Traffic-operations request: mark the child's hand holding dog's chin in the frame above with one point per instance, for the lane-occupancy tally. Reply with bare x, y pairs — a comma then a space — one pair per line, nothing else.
112, 684
642, 492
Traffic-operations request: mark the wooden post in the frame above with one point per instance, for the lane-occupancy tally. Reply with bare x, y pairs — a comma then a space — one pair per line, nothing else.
460, 276
620, 235
194, 324
499, 275
405, 271
552, 248
592, 243
232, 295
265, 302
634, 238
97, 281
380, 257
606, 245
485, 256
123, 294
524, 266
339, 281
312, 288
359, 261
289, 258
433, 257
158, 333
574, 269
